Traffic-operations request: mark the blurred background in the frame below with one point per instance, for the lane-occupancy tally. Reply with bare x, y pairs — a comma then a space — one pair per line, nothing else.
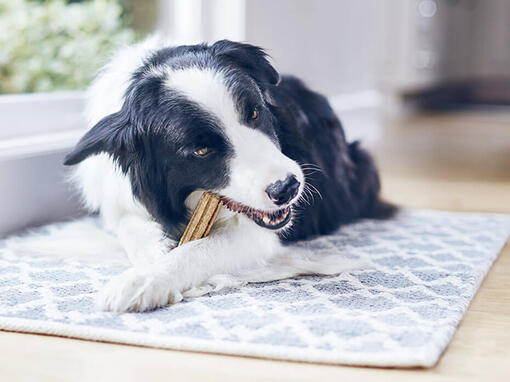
424, 84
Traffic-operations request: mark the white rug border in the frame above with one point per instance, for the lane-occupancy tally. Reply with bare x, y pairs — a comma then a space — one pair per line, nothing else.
289, 354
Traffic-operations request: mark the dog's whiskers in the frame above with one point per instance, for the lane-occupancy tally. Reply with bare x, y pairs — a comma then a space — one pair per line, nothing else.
311, 166
289, 228
313, 188
303, 199
310, 171
308, 193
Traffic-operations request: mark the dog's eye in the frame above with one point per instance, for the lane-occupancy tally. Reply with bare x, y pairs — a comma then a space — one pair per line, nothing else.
202, 152
255, 113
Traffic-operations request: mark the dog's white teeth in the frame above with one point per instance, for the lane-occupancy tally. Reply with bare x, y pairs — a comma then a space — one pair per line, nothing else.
269, 219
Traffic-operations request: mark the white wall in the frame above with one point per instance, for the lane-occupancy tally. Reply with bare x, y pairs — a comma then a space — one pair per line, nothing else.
331, 44
347, 46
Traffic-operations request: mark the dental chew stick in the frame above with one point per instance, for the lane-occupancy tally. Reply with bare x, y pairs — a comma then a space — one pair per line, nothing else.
203, 218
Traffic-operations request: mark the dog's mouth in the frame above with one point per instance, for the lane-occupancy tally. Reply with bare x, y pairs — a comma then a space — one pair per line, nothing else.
266, 219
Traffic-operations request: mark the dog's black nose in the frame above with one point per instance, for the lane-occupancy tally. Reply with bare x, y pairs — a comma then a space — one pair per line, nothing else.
282, 191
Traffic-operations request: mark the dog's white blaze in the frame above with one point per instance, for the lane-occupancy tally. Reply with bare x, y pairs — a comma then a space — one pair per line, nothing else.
257, 161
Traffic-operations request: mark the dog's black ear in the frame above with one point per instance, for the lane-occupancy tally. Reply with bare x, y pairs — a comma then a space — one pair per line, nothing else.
250, 58
110, 135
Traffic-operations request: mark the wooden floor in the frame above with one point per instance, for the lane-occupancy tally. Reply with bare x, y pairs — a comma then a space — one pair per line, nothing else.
454, 162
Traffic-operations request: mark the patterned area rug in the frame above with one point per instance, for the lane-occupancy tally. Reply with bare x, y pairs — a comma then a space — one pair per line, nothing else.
400, 311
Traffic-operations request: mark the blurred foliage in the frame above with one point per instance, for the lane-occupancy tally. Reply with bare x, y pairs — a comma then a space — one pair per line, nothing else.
56, 45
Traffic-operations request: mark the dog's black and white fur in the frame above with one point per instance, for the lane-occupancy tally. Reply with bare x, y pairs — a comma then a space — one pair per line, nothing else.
171, 122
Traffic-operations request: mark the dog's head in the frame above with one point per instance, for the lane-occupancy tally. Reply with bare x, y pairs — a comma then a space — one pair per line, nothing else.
195, 118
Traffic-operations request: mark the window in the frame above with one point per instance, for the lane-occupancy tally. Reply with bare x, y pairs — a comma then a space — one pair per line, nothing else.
50, 50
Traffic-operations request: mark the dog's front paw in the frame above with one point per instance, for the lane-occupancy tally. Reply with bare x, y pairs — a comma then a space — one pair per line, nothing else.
138, 289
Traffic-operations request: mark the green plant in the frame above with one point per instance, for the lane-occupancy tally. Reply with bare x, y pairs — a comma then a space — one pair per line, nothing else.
54, 45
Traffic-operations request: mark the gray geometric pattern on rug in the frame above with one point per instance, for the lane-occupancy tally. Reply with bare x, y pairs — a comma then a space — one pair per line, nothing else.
402, 310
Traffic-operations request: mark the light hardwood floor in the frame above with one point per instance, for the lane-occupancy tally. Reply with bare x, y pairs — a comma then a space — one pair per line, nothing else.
452, 162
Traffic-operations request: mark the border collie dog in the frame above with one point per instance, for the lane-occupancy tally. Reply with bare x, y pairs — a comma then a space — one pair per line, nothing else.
172, 122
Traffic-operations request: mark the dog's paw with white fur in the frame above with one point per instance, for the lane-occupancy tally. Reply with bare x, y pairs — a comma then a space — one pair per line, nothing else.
214, 284
138, 289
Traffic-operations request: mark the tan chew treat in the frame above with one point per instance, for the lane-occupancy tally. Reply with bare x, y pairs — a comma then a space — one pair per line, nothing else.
202, 219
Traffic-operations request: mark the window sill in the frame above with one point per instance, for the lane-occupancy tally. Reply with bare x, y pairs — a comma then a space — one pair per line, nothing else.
36, 130
32, 114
